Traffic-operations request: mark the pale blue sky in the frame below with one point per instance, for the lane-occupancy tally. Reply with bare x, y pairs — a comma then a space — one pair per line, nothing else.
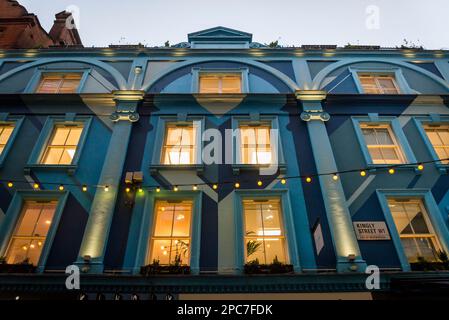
293, 22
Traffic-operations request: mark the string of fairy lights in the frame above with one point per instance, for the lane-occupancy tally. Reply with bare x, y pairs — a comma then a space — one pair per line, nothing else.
140, 188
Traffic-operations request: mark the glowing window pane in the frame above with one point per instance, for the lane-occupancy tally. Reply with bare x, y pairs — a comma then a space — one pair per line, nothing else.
255, 145
171, 235
382, 144
31, 232
59, 83
264, 236
439, 138
378, 84
220, 83
180, 145
63, 144
415, 230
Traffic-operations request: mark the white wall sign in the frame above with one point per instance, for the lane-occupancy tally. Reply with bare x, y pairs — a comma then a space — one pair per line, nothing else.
319, 241
371, 230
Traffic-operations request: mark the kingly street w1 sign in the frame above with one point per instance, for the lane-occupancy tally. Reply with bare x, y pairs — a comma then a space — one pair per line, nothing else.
371, 230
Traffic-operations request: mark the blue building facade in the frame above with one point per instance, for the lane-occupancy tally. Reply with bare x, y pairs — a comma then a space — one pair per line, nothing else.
99, 144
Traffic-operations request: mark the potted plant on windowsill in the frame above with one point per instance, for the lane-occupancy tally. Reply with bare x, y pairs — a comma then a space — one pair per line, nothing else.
254, 267
424, 265
22, 267
276, 267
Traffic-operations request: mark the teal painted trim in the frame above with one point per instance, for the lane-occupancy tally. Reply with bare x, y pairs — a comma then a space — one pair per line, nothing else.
404, 88
17, 121
244, 73
398, 135
101, 213
434, 214
160, 136
337, 212
419, 122
148, 223
112, 71
276, 73
274, 123
136, 80
321, 76
39, 72
46, 133
287, 219
13, 215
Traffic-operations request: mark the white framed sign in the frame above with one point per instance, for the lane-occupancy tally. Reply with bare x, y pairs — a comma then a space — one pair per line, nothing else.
371, 230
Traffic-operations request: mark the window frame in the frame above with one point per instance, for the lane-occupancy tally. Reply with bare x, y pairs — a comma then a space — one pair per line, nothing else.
148, 220
14, 212
435, 119
153, 237
291, 247
434, 215
243, 72
47, 133
35, 80
159, 141
401, 83
395, 128
236, 146
17, 121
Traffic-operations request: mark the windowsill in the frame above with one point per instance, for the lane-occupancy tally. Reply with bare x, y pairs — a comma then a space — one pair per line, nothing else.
443, 168
155, 168
69, 168
403, 167
236, 168
220, 97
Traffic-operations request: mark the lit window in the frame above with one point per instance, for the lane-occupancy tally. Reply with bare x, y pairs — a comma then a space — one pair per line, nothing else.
59, 83
220, 83
62, 145
5, 132
170, 243
382, 144
378, 84
255, 144
180, 144
264, 235
414, 228
439, 138
31, 232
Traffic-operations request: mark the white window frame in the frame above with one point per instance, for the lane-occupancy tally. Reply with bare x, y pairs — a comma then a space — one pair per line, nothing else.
396, 73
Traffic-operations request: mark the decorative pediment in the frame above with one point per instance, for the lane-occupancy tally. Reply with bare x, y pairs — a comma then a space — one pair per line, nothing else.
220, 35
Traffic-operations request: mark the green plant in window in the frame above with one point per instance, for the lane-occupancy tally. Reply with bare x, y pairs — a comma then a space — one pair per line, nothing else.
252, 246
156, 262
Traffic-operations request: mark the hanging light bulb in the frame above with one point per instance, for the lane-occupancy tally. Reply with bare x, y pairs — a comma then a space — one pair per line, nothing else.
128, 190
10, 184
335, 177
237, 185
391, 171
215, 187
420, 167
61, 188
158, 189
308, 179
84, 188
36, 186
283, 181
140, 190
195, 187
363, 173
106, 188
259, 183
175, 188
